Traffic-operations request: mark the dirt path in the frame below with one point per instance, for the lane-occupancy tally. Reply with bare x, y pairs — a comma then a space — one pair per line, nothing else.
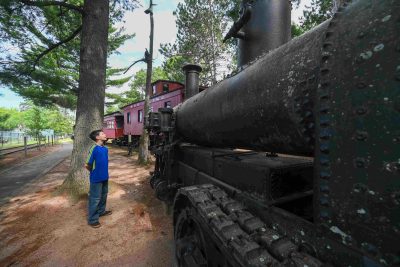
39, 228
20, 176
17, 158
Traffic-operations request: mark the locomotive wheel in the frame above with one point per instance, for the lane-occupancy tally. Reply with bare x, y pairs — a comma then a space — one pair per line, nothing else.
192, 246
211, 229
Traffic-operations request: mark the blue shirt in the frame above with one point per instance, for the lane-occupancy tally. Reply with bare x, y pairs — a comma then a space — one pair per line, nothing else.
98, 159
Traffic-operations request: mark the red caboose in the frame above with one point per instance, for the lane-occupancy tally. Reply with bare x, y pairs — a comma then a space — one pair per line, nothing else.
164, 94
113, 126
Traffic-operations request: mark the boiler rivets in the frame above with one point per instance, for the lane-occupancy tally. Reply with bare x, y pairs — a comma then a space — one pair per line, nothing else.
324, 215
324, 161
324, 175
360, 162
325, 134
395, 198
324, 72
327, 46
369, 248
361, 110
324, 96
324, 201
324, 148
361, 85
397, 75
324, 122
324, 108
361, 135
324, 188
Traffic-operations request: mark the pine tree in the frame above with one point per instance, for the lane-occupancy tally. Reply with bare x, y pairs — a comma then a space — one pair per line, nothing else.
46, 78
40, 47
201, 25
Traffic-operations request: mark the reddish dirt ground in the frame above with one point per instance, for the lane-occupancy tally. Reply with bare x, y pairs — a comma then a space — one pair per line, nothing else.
41, 228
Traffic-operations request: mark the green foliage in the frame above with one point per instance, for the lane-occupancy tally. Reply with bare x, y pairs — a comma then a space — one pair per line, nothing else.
10, 118
34, 119
296, 30
201, 26
59, 122
316, 13
27, 32
136, 91
116, 101
173, 68
139, 81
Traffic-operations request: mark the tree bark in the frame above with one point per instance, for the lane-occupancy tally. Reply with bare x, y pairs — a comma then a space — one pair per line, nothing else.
91, 92
144, 154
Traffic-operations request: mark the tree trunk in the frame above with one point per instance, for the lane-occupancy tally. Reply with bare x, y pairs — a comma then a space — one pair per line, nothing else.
92, 84
213, 41
144, 154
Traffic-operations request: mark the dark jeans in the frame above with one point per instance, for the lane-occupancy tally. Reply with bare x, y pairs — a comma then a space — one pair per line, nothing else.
97, 200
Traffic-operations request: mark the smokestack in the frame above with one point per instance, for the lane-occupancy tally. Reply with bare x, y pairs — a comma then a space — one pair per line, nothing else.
192, 72
267, 27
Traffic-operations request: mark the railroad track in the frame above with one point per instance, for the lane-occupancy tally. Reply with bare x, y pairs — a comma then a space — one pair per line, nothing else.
11, 150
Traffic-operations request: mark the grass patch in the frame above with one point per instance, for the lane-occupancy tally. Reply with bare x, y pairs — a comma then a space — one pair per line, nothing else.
16, 144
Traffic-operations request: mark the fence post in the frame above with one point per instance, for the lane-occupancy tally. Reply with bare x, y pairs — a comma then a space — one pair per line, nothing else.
26, 146
52, 140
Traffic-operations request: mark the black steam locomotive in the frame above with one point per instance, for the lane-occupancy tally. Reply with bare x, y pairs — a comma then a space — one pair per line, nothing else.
294, 160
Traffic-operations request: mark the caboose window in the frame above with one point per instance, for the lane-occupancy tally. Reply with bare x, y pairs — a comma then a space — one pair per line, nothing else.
154, 89
167, 104
128, 117
165, 87
140, 116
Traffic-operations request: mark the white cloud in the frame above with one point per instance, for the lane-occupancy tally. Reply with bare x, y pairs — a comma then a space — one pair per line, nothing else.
297, 13
139, 23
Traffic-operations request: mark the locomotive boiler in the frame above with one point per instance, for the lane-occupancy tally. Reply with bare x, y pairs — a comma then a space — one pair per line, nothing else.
293, 160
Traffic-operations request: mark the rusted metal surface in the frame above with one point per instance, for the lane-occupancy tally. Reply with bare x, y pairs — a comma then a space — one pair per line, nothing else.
267, 106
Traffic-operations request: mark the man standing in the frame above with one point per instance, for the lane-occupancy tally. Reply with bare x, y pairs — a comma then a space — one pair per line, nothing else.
97, 164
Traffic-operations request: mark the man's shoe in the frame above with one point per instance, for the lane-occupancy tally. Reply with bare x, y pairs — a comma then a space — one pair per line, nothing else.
107, 212
95, 225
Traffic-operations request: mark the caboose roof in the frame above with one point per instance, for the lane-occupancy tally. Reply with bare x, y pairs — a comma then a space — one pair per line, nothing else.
167, 81
179, 88
115, 114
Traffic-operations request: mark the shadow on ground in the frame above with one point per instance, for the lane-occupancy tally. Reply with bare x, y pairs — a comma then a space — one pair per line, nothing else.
40, 228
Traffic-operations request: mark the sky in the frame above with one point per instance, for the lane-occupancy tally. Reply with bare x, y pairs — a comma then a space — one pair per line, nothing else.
139, 23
